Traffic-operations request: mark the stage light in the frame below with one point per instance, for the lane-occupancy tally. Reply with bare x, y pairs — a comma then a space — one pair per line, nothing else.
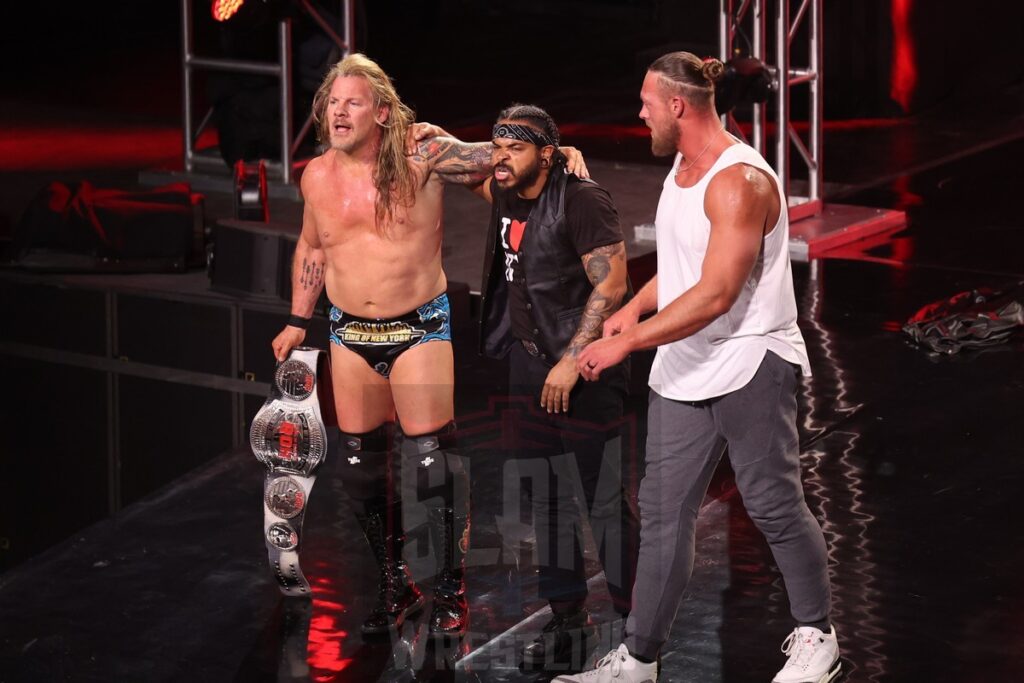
251, 191
264, 11
223, 10
746, 81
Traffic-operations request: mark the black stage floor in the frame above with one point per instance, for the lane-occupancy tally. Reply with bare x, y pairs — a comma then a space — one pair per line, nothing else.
911, 462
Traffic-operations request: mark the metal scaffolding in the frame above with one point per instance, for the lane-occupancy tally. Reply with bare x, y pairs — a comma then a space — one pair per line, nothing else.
282, 69
784, 77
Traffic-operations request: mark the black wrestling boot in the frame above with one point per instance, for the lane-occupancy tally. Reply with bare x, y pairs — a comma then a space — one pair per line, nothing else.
450, 534
397, 594
562, 643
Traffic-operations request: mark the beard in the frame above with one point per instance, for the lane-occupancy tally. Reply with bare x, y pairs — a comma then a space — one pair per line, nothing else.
346, 145
525, 178
664, 138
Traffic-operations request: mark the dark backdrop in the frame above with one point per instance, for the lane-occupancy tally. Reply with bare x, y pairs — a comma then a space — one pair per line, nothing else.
460, 60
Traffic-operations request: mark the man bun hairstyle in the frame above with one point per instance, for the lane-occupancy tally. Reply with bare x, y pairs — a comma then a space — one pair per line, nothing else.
713, 69
686, 74
533, 115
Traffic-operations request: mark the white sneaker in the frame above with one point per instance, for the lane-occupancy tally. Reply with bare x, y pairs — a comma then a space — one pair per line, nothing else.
813, 656
618, 666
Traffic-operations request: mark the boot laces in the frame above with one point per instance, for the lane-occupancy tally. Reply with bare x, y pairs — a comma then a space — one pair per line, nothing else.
799, 649
557, 622
611, 662
449, 595
392, 580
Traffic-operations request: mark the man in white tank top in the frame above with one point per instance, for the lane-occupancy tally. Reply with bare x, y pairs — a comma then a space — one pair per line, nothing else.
725, 375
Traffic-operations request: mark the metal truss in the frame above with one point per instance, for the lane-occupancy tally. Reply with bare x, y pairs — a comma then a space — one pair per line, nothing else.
753, 14
282, 69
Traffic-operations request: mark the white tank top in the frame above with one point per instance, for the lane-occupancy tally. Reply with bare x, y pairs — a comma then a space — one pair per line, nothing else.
723, 356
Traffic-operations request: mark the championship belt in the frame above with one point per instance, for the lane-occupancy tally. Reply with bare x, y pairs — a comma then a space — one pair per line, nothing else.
289, 437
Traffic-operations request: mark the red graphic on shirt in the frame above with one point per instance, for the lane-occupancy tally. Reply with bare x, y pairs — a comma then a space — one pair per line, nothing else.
516, 236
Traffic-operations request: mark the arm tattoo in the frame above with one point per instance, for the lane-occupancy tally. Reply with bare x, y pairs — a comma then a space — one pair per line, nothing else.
598, 264
462, 163
311, 275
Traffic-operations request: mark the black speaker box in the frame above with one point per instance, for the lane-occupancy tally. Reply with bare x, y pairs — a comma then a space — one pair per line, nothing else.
54, 460
174, 334
168, 429
53, 317
253, 258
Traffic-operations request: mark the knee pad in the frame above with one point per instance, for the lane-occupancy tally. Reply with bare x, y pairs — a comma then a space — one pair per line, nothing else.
441, 479
375, 440
367, 474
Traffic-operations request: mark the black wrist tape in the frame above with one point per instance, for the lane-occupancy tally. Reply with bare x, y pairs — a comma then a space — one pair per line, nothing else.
298, 321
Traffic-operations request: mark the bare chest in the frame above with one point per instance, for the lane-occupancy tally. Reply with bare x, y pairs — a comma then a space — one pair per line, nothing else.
346, 212
342, 209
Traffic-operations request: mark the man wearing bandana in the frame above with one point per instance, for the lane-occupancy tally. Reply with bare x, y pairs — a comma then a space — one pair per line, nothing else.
371, 240
555, 271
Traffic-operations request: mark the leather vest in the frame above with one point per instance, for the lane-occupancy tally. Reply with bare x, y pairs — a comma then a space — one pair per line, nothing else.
557, 287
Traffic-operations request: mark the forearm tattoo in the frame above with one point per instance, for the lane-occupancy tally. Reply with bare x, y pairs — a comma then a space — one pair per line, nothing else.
598, 265
462, 163
311, 275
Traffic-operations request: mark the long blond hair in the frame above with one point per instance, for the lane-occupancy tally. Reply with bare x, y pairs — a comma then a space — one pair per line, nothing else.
394, 179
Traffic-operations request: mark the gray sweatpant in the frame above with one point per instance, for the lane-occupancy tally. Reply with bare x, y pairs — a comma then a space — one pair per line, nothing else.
685, 441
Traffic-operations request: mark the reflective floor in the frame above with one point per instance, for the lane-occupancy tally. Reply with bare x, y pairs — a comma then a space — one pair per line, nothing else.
912, 464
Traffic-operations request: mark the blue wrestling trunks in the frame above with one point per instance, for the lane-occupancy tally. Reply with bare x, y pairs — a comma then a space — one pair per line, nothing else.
381, 341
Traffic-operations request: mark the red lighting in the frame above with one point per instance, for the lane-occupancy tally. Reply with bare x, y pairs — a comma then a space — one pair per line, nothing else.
30, 147
325, 644
324, 648
903, 79
222, 10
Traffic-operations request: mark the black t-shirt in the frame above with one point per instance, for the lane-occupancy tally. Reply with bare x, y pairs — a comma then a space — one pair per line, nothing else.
591, 222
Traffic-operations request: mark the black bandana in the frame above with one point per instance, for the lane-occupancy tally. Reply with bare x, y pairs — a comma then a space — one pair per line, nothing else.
513, 131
